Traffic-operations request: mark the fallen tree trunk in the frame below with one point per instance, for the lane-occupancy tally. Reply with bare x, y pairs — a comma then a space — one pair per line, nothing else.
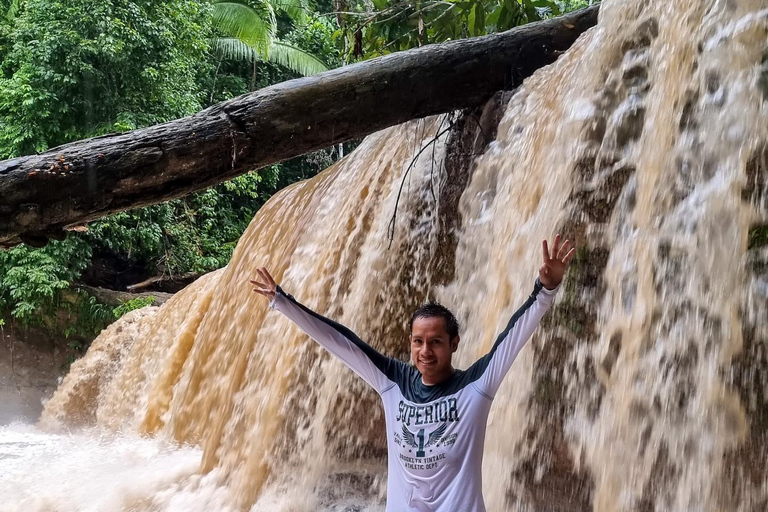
44, 194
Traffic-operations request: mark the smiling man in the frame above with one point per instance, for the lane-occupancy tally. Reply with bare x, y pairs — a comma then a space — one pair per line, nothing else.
435, 414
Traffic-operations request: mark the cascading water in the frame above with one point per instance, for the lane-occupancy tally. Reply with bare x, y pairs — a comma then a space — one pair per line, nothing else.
645, 389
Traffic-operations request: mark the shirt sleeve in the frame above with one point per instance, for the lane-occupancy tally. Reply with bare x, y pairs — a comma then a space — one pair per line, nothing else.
363, 359
489, 371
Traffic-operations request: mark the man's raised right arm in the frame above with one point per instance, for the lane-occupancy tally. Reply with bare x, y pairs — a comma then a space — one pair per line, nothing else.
375, 368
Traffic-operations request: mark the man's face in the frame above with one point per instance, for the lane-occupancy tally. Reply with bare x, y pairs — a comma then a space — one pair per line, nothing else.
432, 348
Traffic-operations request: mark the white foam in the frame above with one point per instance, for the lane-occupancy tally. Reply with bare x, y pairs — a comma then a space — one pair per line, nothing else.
95, 471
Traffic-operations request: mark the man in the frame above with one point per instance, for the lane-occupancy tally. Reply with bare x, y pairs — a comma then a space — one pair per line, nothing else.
435, 414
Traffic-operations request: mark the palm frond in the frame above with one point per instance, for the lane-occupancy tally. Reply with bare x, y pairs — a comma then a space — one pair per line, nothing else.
255, 25
295, 59
234, 49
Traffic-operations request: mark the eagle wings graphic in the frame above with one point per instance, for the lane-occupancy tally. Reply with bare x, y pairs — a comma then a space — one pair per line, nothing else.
434, 436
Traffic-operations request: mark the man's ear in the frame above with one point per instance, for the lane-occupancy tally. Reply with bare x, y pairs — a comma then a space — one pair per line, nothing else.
455, 343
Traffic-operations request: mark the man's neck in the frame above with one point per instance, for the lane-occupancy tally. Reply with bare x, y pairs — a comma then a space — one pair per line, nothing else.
434, 381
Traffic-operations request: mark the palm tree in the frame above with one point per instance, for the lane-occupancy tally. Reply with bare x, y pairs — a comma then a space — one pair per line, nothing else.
250, 29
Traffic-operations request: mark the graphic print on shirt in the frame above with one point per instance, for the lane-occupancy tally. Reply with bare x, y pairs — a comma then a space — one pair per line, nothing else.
434, 438
435, 417
445, 410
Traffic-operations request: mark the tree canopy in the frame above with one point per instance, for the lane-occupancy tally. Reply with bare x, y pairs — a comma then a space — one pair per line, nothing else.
72, 69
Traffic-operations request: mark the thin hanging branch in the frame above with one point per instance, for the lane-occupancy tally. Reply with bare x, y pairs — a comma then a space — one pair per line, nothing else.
432, 169
392, 222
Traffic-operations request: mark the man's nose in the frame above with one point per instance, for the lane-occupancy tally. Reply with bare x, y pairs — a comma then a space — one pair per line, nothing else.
426, 349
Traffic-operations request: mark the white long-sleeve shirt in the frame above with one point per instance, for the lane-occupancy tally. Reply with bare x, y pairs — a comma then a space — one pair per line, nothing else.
435, 434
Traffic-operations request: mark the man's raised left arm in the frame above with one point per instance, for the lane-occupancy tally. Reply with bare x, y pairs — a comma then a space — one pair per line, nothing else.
493, 367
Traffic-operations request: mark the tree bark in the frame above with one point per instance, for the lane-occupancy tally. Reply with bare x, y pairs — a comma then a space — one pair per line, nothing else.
44, 194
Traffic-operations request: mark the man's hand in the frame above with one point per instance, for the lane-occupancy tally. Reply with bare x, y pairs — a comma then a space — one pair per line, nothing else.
555, 263
265, 285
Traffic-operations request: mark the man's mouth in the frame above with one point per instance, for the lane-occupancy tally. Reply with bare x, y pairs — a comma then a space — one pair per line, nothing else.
427, 363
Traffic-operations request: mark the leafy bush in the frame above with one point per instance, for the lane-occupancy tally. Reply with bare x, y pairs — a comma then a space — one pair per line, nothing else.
31, 280
133, 304
36, 289
194, 234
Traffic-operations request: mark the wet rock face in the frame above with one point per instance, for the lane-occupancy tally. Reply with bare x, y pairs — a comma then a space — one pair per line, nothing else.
603, 174
756, 187
31, 363
747, 465
700, 351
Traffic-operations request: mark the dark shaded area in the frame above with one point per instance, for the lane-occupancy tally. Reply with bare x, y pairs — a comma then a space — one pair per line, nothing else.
747, 464
663, 477
31, 362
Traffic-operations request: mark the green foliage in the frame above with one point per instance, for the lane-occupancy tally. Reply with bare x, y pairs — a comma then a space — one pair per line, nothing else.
83, 318
78, 68
319, 36
253, 23
36, 289
194, 234
758, 236
572, 5
133, 304
63, 77
385, 26
30, 280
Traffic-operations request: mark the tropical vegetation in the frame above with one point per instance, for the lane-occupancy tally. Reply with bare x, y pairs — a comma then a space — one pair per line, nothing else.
72, 69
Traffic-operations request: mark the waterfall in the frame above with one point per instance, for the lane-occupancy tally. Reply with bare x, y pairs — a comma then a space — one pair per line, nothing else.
646, 387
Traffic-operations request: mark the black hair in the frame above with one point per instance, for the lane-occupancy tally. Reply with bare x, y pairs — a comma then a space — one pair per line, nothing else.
432, 310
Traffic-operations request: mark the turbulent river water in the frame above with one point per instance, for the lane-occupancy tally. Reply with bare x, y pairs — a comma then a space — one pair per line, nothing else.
645, 389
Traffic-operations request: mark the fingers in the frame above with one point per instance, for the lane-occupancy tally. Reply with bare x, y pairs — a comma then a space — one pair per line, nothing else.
558, 251
261, 288
265, 284
261, 275
556, 246
569, 256
271, 281
266, 277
